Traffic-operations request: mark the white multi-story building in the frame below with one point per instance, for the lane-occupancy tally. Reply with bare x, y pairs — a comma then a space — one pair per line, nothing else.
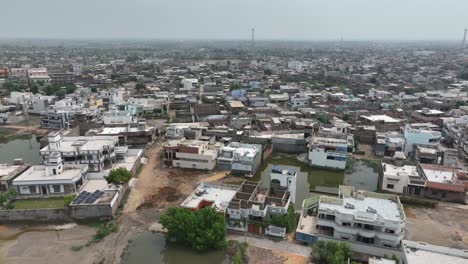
90, 151
360, 216
253, 202
189, 154
298, 101
330, 150
52, 178
190, 84
420, 136
37, 75
285, 178
402, 179
240, 158
115, 117
176, 130
20, 97
296, 66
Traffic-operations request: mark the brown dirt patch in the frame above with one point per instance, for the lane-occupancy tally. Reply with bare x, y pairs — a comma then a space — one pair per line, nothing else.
266, 256
409, 213
445, 225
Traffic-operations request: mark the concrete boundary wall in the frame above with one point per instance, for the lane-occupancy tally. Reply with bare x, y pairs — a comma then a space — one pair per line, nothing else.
366, 249
66, 214
41, 215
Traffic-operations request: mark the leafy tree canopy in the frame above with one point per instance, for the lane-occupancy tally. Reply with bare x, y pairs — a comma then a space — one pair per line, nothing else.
118, 176
330, 252
201, 230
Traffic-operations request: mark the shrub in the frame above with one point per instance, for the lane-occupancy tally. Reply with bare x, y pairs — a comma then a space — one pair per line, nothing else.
68, 199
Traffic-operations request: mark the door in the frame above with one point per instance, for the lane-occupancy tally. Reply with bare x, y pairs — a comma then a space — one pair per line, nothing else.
44, 190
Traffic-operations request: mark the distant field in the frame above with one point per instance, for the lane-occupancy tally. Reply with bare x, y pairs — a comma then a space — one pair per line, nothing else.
39, 203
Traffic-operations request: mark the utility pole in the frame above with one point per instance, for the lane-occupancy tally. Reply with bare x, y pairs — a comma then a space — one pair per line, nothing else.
464, 41
253, 38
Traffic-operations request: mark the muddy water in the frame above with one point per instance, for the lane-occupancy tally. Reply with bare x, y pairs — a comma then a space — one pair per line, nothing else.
25, 147
150, 247
362, 177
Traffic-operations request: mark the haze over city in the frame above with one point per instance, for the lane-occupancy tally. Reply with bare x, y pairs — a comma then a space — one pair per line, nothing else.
229, 19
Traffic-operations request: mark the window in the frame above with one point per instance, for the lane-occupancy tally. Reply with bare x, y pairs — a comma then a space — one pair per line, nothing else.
91, 167
56, 188
390, 186
346, 224
390, 231
89, 157
345, 238
32, 189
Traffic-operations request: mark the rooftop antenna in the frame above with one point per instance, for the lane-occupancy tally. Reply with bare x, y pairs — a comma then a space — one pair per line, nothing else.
464, 40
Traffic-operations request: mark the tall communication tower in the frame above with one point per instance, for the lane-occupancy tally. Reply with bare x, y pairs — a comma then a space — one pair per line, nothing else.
253, 37
464, 41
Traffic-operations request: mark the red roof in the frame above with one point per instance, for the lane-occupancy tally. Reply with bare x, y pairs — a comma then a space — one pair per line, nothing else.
446, 187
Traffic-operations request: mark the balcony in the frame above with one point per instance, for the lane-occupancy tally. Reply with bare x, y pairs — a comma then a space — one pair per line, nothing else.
390, 237
366, 233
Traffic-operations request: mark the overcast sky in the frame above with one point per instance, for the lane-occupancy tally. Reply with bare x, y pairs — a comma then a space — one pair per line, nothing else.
233, 19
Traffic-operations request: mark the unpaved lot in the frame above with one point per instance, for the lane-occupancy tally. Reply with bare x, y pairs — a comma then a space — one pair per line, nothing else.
445, 225
266, 256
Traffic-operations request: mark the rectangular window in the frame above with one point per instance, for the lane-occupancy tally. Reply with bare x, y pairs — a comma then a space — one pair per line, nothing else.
56, 188
390, 186
89, 157
32, 189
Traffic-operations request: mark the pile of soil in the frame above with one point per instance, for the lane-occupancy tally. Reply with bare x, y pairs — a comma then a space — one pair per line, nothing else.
163, 195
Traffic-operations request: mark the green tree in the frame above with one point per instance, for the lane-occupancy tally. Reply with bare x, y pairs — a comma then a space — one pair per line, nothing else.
288, 220
34, 89
60, 93
7, 196
460, 103
234, 86
201, 230
323, 119
118, 176
463, 75
71, 88
140, 86
330, 252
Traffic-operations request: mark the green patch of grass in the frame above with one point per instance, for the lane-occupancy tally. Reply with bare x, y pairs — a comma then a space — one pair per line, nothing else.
233, 182
316, 176
39, 203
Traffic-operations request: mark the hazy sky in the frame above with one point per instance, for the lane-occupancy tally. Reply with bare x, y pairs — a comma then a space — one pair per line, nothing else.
233, 19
